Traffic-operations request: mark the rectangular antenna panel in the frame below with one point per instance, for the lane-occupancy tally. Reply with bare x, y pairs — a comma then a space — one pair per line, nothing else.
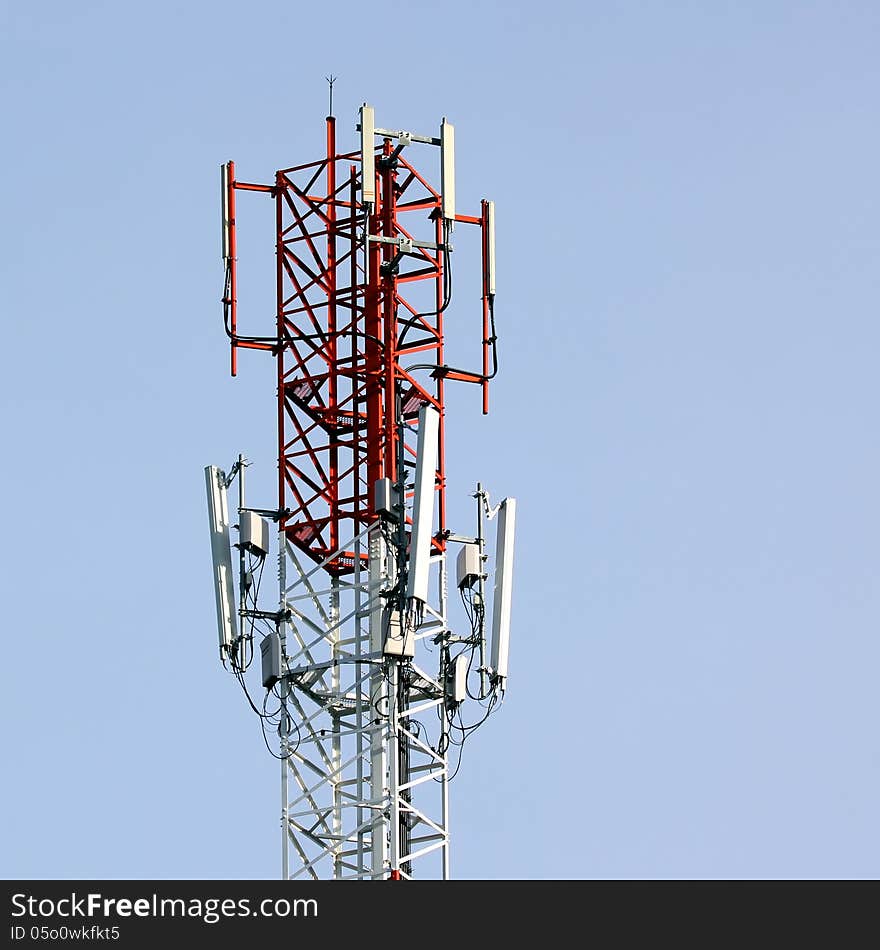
224, 205
368, 155
447, 169
221, 555
503, 586
490, 240
423, 504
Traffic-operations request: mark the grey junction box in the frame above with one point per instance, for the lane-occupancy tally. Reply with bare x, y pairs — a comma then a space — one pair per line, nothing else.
270, 648
468, 566
400, 637
385, 498
253, 533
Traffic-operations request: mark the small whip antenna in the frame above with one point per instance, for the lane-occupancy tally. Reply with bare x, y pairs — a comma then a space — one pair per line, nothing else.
330, 80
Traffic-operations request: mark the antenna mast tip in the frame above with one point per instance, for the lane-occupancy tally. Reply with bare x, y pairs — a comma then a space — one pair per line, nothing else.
330, 80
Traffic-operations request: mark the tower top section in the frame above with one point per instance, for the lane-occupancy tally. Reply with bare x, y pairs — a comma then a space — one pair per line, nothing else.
364, 280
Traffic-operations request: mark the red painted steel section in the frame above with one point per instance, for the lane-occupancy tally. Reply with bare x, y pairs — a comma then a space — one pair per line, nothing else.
484, 246
359, 331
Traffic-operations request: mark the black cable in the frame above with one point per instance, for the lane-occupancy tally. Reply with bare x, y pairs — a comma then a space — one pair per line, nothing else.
378, 697
448, 738
476, 612
451, 776
258, 582
493, 339
271, 716
226, 307
457, 765
416, 732
241, 682
238, 338
266, 717
477, 697
281, 758
248, 640
469, 607
447, 293
467, 730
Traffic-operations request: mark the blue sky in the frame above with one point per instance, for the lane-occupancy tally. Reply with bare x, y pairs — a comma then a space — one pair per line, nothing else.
686, 411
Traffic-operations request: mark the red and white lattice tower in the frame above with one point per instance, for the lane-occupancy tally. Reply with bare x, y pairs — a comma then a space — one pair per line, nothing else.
364, 676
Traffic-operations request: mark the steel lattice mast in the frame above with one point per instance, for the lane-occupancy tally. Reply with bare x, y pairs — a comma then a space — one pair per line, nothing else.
359, 653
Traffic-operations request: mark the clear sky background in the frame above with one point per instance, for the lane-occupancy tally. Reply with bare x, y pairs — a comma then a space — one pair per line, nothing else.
688, 279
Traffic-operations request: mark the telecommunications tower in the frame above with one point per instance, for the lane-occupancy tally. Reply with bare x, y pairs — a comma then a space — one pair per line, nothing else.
368, 689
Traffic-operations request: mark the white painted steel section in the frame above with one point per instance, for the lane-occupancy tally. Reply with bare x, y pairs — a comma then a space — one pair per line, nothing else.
344, 796
378, 696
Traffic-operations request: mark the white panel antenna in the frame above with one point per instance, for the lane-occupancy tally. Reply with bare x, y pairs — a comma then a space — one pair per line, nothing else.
224, 204
447, 169
503, 587
368, 155
221, 555
490, 222
423, 505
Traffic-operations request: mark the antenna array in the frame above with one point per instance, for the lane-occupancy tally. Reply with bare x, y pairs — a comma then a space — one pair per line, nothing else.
367, 686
